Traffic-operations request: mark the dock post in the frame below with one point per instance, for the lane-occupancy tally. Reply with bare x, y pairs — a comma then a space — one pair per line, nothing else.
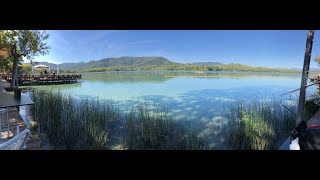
304, 78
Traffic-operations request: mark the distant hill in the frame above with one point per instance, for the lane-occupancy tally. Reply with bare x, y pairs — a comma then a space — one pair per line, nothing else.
207, 63
112, 62
128, 61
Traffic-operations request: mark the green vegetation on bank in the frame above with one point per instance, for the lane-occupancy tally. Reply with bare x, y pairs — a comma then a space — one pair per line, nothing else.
190, 67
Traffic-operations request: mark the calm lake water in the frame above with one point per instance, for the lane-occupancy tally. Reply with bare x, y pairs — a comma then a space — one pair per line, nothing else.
186, 95
196, 99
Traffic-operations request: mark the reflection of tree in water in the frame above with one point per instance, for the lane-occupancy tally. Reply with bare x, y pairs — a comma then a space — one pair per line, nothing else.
125, 77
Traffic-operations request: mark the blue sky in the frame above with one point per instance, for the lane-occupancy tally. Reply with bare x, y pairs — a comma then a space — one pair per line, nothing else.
269, 48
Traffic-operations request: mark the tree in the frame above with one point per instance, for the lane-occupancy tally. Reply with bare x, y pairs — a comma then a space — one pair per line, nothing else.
4, 53
4, 57
23, 43
27, 67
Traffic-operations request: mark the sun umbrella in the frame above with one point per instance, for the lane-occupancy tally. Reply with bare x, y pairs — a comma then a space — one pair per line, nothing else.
42, 66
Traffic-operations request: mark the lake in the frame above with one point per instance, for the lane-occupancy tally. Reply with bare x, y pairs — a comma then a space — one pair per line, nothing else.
201, 98
186, 95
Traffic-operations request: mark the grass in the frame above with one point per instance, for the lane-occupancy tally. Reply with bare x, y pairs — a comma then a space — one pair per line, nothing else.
258, 125
69, 123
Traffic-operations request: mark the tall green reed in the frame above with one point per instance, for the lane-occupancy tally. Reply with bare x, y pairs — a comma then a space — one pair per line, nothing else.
259, 125
70, 123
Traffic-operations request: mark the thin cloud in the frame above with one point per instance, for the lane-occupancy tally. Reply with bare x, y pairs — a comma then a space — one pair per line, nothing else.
142, 42
93, 37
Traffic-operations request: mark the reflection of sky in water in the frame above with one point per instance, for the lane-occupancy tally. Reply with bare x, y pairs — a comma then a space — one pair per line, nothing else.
187, 96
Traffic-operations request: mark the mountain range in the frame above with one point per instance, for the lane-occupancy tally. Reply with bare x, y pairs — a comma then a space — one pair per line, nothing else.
113, 62
134, 62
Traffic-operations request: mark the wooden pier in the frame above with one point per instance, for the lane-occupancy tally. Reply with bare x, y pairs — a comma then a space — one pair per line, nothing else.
46, 79
15, 120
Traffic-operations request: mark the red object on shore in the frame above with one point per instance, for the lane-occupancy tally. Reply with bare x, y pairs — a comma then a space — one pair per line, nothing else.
314, 126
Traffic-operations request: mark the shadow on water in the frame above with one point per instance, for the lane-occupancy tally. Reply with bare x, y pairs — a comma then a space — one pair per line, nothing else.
205, 104
205, 108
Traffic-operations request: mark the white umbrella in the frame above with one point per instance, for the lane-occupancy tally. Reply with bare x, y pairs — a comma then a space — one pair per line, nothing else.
42, 66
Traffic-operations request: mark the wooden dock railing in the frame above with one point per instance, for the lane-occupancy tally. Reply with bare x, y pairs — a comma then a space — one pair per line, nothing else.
27, 79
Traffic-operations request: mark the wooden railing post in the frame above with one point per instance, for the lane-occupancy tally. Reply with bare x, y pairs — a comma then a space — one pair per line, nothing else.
304, 78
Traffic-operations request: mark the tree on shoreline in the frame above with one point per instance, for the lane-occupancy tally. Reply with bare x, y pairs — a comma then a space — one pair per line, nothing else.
23, 43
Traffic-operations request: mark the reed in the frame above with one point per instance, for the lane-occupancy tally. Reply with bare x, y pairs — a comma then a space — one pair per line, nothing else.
259, 125
70, 123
